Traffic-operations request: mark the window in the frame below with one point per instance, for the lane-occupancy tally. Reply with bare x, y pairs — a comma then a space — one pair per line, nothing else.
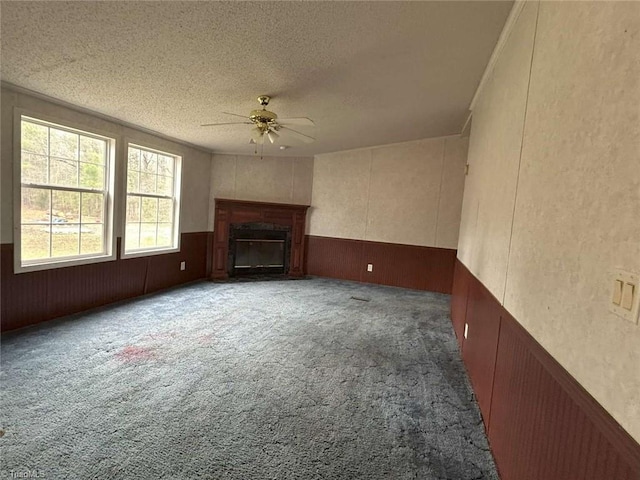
153, 200
66, 206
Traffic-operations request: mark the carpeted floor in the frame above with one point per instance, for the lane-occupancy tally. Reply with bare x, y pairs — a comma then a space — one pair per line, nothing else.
264, 380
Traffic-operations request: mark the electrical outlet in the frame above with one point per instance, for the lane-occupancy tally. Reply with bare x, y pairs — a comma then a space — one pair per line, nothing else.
466, 330
369, 267
183, 265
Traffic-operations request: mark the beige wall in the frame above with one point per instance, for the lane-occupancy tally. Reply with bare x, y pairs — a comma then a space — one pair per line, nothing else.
268, 179
552, 200
408, 193
196, 164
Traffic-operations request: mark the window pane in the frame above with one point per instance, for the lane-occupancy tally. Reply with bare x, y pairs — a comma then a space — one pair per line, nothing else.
92, 208
134, 159
65, 207
151, 174
164, 185
147, 235
93, 150
63, 144
133, 179
91, 239
165, 210
149, 210
34, 168
165, 234
165, 165
91, 175
133, 209
147, 183
35, 138
132, 236
34, 240
58, 220
64, 172
35, 206
65, 239
149, 162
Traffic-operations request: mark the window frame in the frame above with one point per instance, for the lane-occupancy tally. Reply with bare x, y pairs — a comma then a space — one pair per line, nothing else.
110, 240
176, 198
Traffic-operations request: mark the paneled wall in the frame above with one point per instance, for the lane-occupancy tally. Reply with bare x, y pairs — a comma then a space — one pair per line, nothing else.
408, 266
552, 197
407, 193
33, 297
396, 207
267, 179
542, 425
29, 298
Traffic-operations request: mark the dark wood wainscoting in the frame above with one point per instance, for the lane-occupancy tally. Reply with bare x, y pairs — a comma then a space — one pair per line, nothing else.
541, 423
421, 268
33, 297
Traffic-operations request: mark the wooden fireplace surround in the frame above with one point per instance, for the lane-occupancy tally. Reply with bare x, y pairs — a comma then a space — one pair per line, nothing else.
239, 211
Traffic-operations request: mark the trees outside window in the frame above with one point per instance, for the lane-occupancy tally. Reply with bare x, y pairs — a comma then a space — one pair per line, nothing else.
64, 178
153, 197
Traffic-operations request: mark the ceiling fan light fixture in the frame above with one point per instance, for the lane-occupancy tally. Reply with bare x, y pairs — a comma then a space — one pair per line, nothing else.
272, 135
266, 124
256, 135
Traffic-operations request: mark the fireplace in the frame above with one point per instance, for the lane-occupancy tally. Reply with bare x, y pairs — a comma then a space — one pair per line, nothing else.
258, 248
257, 237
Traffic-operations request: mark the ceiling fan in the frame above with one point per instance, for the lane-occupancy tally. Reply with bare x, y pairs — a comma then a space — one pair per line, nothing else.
267, 124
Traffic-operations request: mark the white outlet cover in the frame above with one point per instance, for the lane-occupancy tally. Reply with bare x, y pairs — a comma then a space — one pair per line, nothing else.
369, 267
625, 277
183, 265
466, 330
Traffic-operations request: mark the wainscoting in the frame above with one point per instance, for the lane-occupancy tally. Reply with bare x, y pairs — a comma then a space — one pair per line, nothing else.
421, 268
33, 297
542, 425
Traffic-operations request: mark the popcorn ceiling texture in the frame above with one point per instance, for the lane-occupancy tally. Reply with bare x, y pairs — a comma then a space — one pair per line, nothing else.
368, 73
196, 163
282, 379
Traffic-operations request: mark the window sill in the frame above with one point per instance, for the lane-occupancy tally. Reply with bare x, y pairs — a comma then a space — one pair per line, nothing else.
148, 253
62, 263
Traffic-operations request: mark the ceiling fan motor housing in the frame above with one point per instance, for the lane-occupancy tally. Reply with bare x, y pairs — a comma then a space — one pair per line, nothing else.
262, 116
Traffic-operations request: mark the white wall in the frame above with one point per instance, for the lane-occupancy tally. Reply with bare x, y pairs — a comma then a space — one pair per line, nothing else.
552, 199
267, 179
407, 193
196, 164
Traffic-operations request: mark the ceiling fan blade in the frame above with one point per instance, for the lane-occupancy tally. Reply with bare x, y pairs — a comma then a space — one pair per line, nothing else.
227, 123
302, 121
298, 135
236, 115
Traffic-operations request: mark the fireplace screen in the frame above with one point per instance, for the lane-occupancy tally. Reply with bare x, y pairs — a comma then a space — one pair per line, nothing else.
259, 254
259, 248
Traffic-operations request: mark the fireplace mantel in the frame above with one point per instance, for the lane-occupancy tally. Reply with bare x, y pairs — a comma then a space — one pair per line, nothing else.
229, 211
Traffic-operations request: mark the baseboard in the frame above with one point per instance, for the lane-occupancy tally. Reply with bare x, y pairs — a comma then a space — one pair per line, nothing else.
34, 297
408, 266
541, 423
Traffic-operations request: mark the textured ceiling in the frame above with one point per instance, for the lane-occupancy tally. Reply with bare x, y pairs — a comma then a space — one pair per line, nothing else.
367, 73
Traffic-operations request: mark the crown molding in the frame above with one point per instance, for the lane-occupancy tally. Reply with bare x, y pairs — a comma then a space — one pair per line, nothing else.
514, 14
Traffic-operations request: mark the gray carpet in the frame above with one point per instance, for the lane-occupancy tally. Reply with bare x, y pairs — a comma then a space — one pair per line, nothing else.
264, 380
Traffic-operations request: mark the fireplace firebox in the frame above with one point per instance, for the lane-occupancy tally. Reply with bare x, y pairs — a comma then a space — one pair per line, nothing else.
258, 248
